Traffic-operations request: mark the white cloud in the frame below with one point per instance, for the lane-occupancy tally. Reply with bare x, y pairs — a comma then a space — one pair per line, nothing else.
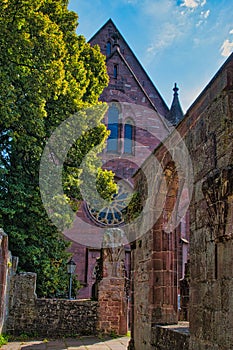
150, 49
168, 34
190, 3
205, 14
226, 48
231, 31
199, 23
170, 23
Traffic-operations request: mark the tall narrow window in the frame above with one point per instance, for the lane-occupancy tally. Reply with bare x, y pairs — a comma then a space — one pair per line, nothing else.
108, 48
128, 137
113, 126
115, 71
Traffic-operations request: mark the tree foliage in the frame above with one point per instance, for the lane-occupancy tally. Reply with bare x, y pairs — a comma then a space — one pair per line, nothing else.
47, 73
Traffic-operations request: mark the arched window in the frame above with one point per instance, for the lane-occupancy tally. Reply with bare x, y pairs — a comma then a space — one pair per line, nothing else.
108, 48
113, 126
115, 71
128, 137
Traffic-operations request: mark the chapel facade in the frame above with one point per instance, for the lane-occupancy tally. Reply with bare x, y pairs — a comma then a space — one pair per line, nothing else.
138, 119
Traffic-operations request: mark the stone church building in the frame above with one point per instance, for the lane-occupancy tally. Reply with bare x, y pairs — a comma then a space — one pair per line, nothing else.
180, 167
174, 243
139, 120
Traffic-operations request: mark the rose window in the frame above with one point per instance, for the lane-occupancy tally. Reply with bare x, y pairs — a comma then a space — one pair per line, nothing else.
112, 215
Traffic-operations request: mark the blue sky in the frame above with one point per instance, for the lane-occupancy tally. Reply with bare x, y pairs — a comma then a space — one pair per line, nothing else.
183, 41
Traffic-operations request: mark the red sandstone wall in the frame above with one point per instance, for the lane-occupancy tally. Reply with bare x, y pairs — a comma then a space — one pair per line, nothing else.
126, 80
207, 131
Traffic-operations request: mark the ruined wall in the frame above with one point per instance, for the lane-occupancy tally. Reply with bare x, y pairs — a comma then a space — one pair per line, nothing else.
141, 295
207, 131
154, 253
170, 337
211, 253
47, 317
53, 317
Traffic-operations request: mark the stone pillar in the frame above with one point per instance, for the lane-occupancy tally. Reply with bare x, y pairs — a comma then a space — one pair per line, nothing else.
164, 255
184, 295
112, 313
164, 277
22, 304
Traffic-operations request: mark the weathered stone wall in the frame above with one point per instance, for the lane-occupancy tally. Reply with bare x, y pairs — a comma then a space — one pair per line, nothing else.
154, 258
63, 317
170, 338
47, 317
207, 130
58, 317
142, 294
210, 142
22, 304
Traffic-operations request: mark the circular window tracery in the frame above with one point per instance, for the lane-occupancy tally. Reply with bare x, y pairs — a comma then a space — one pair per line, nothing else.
112, 215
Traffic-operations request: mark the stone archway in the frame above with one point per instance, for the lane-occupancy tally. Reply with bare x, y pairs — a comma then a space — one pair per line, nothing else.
155, 254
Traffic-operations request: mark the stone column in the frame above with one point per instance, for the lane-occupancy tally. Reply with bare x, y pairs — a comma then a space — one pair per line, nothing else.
112, 313
164, 278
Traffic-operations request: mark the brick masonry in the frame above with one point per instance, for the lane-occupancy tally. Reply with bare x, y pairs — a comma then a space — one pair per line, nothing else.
112, 296
112, 306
